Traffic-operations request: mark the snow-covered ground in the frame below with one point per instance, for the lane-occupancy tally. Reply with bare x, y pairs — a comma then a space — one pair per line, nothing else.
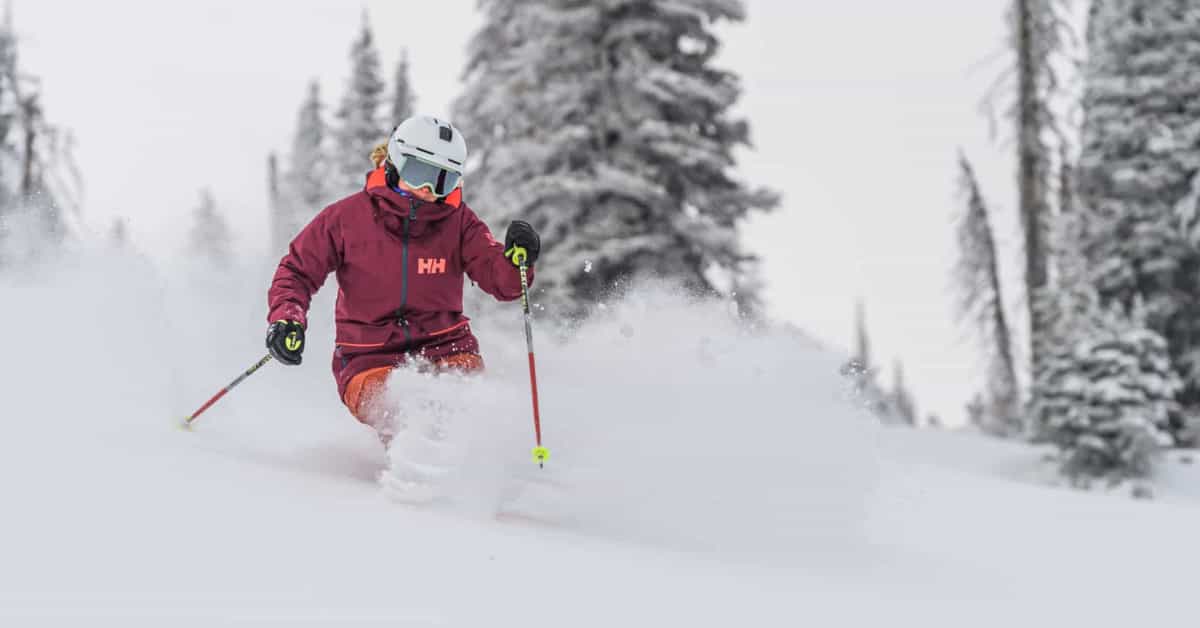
701, 475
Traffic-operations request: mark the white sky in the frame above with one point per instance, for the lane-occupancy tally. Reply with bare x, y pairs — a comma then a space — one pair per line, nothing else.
857, 109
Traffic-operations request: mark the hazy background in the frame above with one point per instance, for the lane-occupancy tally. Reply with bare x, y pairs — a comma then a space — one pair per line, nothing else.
857, 110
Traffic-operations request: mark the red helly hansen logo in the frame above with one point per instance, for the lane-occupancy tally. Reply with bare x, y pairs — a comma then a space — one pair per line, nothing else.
431, 266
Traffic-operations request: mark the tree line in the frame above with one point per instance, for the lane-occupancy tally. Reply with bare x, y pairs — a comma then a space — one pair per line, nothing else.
1109, 203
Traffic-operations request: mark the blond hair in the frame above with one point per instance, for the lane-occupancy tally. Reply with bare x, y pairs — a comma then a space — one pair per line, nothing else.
379, 154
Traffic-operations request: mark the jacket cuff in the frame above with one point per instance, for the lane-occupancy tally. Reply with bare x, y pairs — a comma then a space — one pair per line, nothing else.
288, 312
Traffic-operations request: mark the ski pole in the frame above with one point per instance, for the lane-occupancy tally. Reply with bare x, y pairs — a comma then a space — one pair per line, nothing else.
187, 423
540, 453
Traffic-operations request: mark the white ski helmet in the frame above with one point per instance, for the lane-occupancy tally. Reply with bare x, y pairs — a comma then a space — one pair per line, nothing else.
428, 152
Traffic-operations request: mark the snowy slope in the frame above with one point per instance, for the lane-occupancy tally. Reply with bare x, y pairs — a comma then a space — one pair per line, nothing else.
709, 476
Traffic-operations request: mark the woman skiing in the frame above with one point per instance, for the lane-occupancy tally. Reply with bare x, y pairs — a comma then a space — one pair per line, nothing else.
400, 249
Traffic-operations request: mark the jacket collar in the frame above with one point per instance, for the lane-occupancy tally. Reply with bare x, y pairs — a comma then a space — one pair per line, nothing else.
401, 204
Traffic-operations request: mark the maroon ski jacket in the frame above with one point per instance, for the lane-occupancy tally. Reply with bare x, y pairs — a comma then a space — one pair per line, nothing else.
400, 263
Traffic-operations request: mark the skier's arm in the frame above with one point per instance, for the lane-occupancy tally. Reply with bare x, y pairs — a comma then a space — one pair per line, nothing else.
313, 254
484, 261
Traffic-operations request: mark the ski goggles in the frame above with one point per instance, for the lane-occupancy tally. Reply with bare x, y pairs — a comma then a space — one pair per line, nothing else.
419, 174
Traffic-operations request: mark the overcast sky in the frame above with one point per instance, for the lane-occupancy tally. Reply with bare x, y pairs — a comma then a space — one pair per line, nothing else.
857, 111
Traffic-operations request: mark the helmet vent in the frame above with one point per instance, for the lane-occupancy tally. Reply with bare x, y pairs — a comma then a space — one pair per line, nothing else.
427, 152
454, 161
445, 133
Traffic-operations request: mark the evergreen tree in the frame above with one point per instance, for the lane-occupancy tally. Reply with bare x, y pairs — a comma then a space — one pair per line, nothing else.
1069, 309
10, 117
359, 124
1137, 172
37, 173
308, 166
607, 126
1106, 396
861, 372
981, 302
402, 94
903, 404
1107, 390
210, 238
304, 189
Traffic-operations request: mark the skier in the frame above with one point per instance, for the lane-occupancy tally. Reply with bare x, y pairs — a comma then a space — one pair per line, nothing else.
400, 248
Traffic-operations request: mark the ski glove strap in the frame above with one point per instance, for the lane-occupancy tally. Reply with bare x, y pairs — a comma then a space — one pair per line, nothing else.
285, 341
521, 243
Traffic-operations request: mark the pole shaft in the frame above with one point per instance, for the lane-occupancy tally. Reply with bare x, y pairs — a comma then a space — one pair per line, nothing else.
537, 417
217, 397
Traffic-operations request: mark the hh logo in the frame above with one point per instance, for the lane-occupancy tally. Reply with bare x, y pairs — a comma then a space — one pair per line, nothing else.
431, 266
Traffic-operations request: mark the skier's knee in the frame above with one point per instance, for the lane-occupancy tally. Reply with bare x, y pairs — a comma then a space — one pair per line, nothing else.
364, 394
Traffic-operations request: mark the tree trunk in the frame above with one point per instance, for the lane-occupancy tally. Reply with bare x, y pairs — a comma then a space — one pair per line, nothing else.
1031, 169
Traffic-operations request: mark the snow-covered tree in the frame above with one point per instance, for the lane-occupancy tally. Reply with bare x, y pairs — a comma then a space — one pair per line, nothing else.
863, 375
10, 115
308, 165
1137, 173
210, 238
402, 93
981, 304
903, 405
360, 125
1106, 397
37, 174
1106, 392
304, 188
607, 126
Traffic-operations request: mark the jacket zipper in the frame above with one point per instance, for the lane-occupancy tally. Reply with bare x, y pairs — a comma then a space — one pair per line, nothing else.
403, 322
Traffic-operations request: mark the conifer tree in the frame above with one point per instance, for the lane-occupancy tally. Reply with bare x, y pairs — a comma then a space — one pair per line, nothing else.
402, 94
304, 189
903, 405
863, 374
1107, 396
210, 238
981, 304
615, 121
1136, 175
38, 178
359, 116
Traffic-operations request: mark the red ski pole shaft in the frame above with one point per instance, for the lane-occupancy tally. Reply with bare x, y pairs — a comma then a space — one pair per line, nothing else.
540, 453
217, 397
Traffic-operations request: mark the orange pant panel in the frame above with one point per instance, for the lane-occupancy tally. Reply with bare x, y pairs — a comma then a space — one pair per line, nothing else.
363, 389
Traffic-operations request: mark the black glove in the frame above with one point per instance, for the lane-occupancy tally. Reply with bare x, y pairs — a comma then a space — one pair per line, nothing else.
285, 341
521, 238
